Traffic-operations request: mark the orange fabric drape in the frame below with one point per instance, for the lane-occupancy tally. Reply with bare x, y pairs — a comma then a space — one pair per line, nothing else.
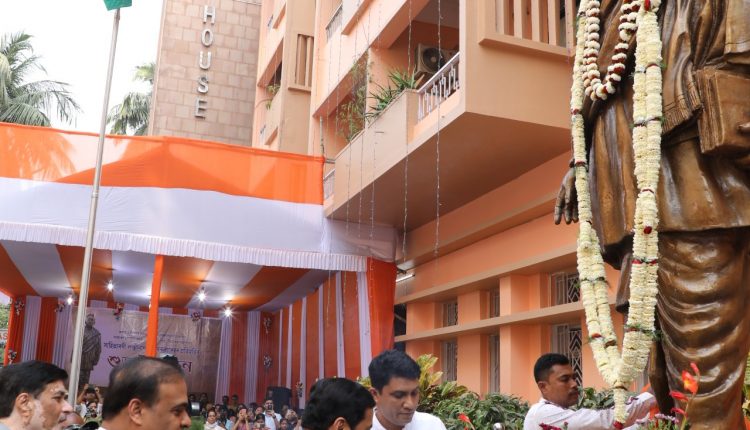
351, 325
152, 332
15, 331
312, 339
329, 327
45, 342
159, 161
381, 287
239, 356
269, 345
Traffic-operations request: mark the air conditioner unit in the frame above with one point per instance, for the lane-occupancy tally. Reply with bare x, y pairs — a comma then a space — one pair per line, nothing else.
430, 59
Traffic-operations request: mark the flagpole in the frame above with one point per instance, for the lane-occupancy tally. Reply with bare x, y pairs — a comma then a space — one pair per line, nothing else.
75, 367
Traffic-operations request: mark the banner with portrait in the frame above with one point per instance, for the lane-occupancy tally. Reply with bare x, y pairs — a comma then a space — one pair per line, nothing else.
110, 338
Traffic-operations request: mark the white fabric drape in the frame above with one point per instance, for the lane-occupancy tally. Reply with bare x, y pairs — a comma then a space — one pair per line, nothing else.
340, 356
32, 313
126, 214
62, 337
303, 354
130, 307
365, 347
253, 351
165, 311
225, 358
321, 336
97, 304
281, 338
289, 336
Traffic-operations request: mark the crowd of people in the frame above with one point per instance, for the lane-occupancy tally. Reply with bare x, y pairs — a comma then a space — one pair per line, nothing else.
147, 393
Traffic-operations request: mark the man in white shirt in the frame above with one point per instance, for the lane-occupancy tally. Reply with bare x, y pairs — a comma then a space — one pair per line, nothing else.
395, 386
271, 417
556, 381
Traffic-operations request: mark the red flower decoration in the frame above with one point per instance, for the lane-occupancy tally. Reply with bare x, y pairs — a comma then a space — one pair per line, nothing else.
689, 382
678, 411
678, 396
464, 418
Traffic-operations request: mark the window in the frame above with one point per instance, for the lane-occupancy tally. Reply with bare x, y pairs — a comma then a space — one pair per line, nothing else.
565, 288
450, 313
303, 69
450, 360
494, 363
494, 303
335, 23
566, 340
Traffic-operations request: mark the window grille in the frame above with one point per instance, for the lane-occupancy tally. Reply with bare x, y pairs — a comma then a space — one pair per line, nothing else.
450, 313
494, 303
567, 340
494, 363
450, 360
565, 288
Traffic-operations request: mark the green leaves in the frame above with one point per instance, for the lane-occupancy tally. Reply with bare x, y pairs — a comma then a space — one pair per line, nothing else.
30, 103
131, 115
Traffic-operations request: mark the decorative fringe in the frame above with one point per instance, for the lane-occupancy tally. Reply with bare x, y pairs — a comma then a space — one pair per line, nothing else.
118, 241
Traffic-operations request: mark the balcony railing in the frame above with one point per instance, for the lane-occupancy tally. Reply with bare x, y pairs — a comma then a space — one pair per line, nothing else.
441, 86
335, 23
328, 184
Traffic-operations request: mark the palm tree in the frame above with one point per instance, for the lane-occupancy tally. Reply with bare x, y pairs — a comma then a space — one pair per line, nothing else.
24, 102
132, 114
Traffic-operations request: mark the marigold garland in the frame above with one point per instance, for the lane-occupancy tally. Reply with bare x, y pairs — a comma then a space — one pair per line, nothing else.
639, 17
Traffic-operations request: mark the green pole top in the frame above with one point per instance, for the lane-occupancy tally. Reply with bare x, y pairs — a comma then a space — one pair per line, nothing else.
117, 4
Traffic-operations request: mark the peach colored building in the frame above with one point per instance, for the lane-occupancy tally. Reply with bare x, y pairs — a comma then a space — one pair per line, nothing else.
466, 165
204, 86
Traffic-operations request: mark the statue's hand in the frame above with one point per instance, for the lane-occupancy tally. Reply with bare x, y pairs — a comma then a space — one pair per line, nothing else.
567, 199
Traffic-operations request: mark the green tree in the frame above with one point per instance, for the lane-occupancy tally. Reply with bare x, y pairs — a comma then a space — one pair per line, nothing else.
131, 116
4, 312
29, 103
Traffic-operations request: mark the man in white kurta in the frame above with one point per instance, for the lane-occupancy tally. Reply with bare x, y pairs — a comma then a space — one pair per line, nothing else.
556, 381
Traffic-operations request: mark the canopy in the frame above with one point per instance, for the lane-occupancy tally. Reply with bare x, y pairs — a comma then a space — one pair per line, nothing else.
245, 225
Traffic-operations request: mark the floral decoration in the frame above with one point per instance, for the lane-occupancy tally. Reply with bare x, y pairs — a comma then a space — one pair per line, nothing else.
267, 321
639, 17
12, 356
267, 361
195, 316
467, 421
60, 307
117, 312
300, 387
18, 306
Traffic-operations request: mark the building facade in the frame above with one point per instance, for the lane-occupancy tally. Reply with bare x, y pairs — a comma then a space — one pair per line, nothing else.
204, 87
466, 162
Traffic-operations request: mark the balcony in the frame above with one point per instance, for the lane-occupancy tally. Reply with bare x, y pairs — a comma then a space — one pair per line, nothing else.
494, 111
270, 128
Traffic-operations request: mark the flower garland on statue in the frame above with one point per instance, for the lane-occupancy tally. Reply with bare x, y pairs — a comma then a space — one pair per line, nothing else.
636, 16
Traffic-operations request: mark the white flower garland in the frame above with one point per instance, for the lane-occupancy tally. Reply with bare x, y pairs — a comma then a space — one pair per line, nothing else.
619, 370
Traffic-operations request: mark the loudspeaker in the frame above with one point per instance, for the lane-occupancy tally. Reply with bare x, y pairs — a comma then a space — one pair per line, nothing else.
280, 396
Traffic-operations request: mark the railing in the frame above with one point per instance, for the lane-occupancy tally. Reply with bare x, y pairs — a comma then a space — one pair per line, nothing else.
545, 21
335, 22
441, 86
328, 182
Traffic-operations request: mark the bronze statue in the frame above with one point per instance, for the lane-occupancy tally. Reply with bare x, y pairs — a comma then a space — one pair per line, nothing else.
704, 198
92, 349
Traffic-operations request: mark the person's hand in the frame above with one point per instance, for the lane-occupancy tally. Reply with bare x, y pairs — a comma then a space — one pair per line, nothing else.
567, 199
